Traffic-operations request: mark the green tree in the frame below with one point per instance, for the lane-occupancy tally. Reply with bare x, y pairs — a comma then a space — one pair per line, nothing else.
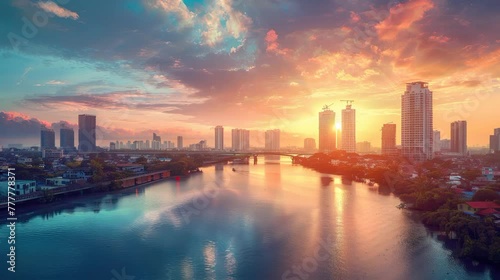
141, 160
486, 195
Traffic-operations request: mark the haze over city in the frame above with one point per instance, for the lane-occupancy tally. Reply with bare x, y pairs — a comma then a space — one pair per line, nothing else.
182, 67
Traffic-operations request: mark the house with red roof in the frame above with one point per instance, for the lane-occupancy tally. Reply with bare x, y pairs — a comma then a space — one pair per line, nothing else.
480, 208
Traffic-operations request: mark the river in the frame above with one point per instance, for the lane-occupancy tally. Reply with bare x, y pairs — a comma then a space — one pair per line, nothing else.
272, 220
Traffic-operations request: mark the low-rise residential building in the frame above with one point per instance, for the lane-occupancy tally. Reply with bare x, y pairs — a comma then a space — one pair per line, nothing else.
488, 173
78, 173
52, 154
480, 208
136, 168
25, 160
59, 181
21, 187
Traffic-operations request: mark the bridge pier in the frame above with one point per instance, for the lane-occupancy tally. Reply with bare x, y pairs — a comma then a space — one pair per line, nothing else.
254, 159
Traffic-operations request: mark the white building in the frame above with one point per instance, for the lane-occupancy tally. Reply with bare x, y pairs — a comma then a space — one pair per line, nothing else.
349, 129
417, 122
219, 138
436, 139
273, 140
58, 182
21, 187
240, 139
25, 160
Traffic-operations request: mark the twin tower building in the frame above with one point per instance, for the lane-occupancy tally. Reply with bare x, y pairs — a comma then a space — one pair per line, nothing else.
330, 137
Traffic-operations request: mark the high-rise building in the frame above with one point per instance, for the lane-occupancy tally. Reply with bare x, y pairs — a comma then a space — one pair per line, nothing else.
180, 145
67, 138
47, 138
459, 137
203, 144
309, 144
327, 133
112, 146
219, 138
436, 139
240, 139
445, 145
364, 147
389, 139
156, 143
86, 133
349, 129
273, 140
338, 131
417, 122
495, 140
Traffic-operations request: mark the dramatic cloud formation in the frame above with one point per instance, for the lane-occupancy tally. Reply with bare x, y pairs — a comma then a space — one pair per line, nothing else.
402, 16
186, 66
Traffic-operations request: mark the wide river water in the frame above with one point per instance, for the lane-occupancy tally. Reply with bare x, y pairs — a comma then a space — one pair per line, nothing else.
272, 220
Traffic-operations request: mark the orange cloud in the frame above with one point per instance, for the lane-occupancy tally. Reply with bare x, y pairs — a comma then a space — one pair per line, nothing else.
401, 17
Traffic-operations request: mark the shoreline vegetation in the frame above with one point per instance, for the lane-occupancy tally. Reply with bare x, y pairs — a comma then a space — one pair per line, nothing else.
424, 187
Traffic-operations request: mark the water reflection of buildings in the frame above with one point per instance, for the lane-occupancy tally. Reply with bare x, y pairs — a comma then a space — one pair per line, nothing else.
273, 159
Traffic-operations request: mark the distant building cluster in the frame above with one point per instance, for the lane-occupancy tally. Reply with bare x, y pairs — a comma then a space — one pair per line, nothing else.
419, 140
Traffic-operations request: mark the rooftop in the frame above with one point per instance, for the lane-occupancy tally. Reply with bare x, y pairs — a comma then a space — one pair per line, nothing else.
483, 204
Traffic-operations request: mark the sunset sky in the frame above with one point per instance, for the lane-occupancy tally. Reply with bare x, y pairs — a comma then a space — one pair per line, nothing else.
182, 67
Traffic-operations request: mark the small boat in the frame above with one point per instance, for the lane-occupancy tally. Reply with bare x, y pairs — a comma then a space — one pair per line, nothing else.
234, 170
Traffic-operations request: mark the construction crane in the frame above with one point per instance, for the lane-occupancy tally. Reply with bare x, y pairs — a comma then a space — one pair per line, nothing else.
349, 102
327, 107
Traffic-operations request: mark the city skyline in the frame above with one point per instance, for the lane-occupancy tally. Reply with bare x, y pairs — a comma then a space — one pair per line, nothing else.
250, 70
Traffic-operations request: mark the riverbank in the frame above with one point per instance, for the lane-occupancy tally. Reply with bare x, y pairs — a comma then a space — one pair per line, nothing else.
47, 196
476, 238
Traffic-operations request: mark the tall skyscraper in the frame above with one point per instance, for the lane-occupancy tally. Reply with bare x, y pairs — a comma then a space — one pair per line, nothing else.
219, 138
156, 143
349, 129
327, 133
273, 140
240, 139
47, 138
417, 122
180, 143
389, 139
495, 140
67, 138
436, 139
459, 137
86, 133
309, 144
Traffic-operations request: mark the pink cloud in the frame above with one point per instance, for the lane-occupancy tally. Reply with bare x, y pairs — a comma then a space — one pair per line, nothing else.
354, 17
55, 9
272, 43
401, 17
439, 38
